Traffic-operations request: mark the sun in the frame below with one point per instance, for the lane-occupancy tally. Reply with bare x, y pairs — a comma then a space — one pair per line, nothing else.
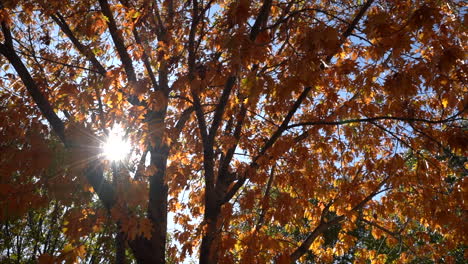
116, 146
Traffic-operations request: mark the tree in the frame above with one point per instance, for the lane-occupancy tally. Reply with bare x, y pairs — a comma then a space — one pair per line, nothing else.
264, 127
40, 237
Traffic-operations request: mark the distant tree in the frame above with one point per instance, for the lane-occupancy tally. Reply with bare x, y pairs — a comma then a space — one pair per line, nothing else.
43, 236
272, 131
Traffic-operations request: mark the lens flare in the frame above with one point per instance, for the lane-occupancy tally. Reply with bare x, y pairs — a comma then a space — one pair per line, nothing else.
116, 146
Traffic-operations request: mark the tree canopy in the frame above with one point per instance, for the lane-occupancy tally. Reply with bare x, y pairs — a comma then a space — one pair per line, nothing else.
267, 131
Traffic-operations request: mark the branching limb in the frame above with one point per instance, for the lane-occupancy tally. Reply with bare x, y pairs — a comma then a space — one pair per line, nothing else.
232, 191
349, 30
373, 119
43, 104
396, 235
323, 225
284, 125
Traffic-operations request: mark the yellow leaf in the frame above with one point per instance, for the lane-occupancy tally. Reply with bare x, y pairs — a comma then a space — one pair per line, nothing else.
445, 102
318, 242
67, 248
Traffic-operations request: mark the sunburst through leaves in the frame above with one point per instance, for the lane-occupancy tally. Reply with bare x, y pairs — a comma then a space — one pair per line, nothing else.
116, 147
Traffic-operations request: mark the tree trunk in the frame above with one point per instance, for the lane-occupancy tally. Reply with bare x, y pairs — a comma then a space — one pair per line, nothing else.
209, 245
120, 248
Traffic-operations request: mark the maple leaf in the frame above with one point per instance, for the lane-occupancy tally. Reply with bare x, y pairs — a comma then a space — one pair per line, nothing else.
145, 228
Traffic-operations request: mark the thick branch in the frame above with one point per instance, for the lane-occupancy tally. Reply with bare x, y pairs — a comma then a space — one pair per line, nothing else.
105, 191
304, 247
181, 123
118, 41
145, 57
284, 124
394, 234
261, 19
191, 40
7, 35
223, 170
218, 115
351, 28
80, 47
41, 101
208, 155
146, 61
200, 116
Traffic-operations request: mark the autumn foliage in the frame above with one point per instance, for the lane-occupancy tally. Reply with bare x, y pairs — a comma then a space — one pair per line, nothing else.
262, 131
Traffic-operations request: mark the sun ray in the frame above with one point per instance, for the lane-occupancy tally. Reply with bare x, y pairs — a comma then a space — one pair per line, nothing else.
116, 146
